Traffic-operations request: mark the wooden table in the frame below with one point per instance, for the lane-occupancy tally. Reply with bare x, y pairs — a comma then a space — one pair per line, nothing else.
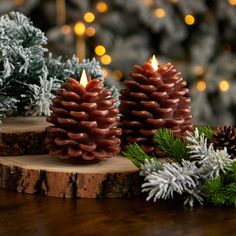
22, 214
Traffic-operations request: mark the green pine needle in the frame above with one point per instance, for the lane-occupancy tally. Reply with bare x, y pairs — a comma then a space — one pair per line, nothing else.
233, 167
207, 131
135, 153
222, 190
231, 194
215, 192
173, 147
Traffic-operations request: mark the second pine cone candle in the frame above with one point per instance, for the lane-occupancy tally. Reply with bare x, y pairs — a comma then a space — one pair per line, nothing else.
153, 99
84, 122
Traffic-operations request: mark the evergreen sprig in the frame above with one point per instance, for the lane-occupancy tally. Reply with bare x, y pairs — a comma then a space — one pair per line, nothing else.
173, 147
135, 153
207, 131
222, 190
208, 174
29, 79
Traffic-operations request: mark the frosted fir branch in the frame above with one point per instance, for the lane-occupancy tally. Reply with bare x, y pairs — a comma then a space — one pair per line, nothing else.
92, 68
193, 196
7, 106
218, 162
115, 94
7, 68
150, 166
23, 30
197, 146
42, 96
162, 181
211, 163
172, 178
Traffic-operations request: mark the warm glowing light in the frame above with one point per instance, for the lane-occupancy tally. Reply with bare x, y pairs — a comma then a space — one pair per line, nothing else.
106, 59
100, 50
90, 31
79, 28
198, 70
19, 2
65, 29
101, 7
154, 63
159, 12
83, 79
201, 85
224, 85
118, 74
232, 2
89, 17
189, 19
174, 1
105, 72
148, 2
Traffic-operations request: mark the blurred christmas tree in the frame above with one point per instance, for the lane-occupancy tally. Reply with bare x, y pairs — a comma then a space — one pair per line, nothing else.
197, 36
29, 79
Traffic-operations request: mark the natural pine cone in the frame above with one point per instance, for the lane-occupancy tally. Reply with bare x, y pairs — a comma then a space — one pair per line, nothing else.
225, 137
154, 99
84, 122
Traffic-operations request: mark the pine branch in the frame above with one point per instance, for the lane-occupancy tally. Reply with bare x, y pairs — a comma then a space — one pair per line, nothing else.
41, 98
231, 194
173, 178
233, 168
150, 166
222, 190
173, 147
7, 105
215, 164
207, 131
135, 153
197, 146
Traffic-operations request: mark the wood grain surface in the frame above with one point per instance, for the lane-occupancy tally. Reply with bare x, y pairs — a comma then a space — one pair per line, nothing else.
23, 135
21, 124
47, 175
23, 215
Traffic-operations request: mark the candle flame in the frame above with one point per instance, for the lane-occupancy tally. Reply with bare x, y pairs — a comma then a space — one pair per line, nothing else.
83, 79
154, 62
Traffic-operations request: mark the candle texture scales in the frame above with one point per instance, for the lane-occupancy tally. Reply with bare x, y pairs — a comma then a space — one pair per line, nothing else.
84, 122
154, 99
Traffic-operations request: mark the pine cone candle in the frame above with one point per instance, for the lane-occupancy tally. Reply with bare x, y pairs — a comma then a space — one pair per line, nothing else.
225, 137
155, 98
84, 122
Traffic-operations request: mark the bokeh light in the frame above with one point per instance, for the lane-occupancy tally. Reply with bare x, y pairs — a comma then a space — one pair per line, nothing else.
90, 31
198, 70
159, 12
65, 29
101, 7
89, 17
106, 59
224, 85
232, 2
201, 85
189, 19
79, 28
118, 74
100, 50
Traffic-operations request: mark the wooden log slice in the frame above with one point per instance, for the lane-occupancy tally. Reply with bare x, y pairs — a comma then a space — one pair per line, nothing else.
23, 136
46, 175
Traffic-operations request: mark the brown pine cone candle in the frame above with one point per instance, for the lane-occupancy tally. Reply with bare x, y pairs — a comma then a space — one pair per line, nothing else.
225, 137
84, 122
153, 99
